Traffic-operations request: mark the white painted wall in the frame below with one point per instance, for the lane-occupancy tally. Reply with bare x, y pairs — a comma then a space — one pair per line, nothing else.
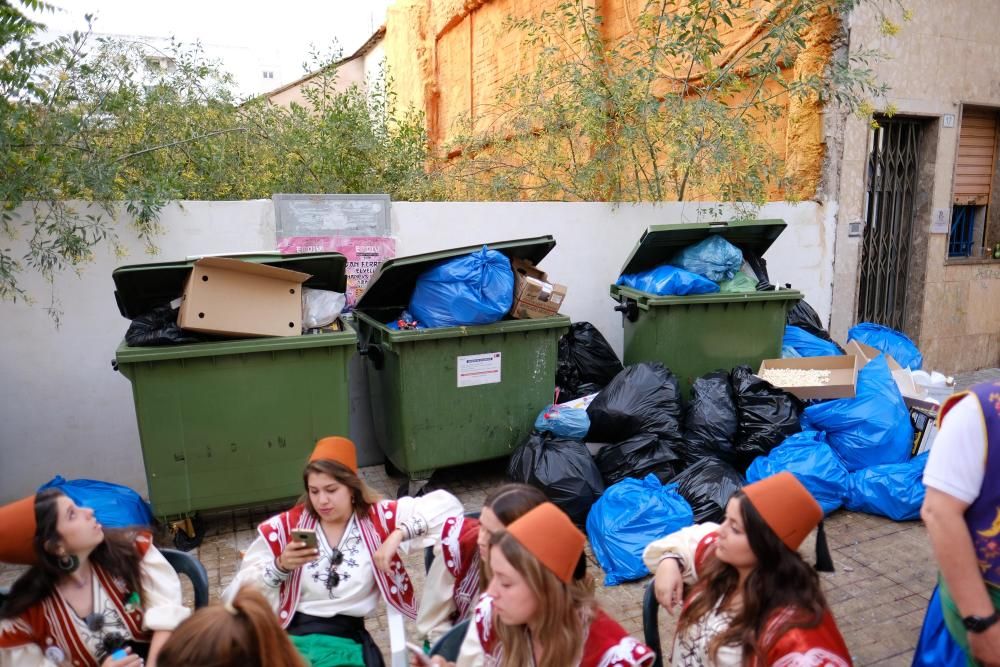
65, 411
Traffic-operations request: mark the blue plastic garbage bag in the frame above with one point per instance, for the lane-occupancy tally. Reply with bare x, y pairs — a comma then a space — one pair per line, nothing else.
114, 505
789, 352
465, 291
936, 647
629, 516
871, 428
808, 345
893, 490
668, 281
890, 341
563, 422
807, 456
408, 321
714, 258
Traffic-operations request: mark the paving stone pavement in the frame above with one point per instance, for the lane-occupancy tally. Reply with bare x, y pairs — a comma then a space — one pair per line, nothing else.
885, 571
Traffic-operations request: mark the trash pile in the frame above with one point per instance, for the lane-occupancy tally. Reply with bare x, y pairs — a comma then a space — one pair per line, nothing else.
479, 288
638, 460
222, 298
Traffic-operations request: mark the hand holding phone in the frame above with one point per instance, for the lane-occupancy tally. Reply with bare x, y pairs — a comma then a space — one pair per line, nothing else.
295, 554
307, 537
418, 655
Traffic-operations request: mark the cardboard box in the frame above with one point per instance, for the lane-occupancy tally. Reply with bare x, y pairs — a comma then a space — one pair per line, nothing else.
534, 296
924, 429
914, 395
236, 298
843, 375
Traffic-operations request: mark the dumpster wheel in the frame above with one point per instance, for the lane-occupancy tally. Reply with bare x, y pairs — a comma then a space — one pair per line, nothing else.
188, 532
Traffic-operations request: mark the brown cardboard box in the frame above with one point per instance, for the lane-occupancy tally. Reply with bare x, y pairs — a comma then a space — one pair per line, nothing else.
534, 295
843, 375
913, 395
237, 298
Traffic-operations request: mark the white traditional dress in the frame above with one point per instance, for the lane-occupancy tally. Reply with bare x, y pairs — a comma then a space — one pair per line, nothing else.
451, 587
52, 633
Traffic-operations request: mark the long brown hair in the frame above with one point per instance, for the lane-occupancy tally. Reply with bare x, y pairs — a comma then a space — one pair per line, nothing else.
508, 502
116, 555
565, 610
245, 635
781, 581
362, 495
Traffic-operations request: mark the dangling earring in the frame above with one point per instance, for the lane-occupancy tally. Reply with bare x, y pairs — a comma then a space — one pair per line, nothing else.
68, 563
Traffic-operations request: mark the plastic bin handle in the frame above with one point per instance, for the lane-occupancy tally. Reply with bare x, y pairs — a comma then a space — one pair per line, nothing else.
629, 309
374, 353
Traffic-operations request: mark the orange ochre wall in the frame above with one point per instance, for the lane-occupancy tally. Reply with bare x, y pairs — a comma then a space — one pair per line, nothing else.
447, 58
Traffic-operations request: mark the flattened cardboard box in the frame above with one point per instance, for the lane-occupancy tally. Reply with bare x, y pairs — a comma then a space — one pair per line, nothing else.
534, 296
843, 375
236, 298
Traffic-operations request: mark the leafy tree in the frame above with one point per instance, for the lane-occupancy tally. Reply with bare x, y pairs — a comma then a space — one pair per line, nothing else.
686, 105
87, 120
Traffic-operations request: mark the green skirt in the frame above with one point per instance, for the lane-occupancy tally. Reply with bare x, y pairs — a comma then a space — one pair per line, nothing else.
328, 651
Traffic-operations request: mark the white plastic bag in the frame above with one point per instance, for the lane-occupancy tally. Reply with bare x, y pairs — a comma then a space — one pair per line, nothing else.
321, 307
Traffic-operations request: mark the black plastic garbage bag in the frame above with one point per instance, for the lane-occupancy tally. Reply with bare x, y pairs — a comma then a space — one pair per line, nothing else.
562, 470
804, 317
766, 415
710, 424
585, 358
759, 267
159, 327
638, 456
707, 486
643, 398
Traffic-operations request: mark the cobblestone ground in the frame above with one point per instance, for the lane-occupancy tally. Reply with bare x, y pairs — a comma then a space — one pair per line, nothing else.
884, 570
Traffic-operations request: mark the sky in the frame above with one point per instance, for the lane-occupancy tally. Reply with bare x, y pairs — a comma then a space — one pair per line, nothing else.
278, 34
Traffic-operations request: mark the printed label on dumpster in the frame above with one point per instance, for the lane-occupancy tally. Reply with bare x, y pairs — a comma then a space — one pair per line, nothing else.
476, 369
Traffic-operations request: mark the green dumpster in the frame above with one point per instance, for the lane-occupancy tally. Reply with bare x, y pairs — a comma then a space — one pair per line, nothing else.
694, 335
446, 396
232, 422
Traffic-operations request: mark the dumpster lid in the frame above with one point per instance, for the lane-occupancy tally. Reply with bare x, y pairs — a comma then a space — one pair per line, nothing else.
392, 285
139, 288
659, 243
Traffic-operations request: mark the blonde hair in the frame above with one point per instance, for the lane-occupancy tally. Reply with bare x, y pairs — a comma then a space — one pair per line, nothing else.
564, 611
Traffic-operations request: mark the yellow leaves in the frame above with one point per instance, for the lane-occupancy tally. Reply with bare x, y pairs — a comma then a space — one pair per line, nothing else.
888, 28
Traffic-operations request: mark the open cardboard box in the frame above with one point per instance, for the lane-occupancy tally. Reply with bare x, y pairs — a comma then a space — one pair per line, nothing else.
534, 296
245, 299
913, 394
843, 375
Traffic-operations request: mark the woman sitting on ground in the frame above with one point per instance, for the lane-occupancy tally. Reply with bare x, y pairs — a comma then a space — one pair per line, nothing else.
93, 597
241, 633
755, 601
323, 593
539, 608
460, 570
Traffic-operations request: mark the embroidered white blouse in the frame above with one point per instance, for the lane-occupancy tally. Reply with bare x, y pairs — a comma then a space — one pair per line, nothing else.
356, 594
163, 610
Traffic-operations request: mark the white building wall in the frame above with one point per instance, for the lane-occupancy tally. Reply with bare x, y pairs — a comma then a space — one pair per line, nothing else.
65, 411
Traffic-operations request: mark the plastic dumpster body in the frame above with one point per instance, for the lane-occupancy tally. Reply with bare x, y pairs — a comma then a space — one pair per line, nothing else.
446, 396
232, 422
698, 334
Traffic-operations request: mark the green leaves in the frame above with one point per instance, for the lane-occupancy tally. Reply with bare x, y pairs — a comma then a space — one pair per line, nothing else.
87, 120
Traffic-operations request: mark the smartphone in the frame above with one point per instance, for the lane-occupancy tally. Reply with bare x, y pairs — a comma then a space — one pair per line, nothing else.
419, 653
308, 537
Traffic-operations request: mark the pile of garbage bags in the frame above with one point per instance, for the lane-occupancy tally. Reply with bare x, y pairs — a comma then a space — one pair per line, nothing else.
709, 266
638, 461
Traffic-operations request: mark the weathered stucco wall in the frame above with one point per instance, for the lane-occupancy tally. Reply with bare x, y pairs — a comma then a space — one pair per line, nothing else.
448, 59
946, 56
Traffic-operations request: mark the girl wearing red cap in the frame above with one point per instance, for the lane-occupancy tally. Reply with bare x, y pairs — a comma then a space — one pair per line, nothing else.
754, 600
322, 593
93, 597
542, 611
460, 571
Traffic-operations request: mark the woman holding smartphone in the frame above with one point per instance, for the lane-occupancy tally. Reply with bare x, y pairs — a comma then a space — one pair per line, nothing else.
323, 591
